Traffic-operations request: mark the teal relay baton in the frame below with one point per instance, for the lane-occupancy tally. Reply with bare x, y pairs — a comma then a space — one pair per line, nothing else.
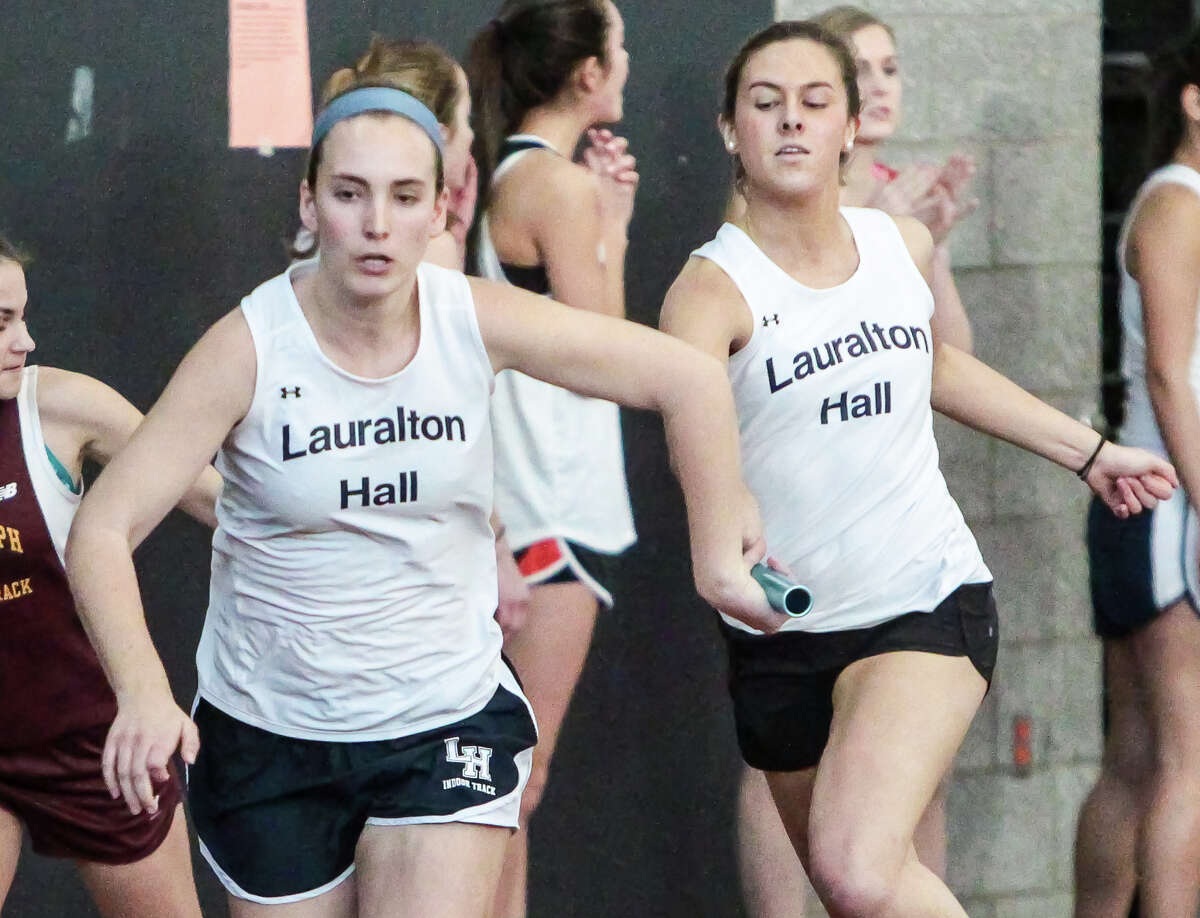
783, 594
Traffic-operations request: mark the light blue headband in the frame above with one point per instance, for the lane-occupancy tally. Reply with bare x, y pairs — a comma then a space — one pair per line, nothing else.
377, 99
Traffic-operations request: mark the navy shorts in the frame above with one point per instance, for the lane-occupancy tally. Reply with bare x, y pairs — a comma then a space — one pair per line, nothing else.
563, 561
782, 683
1141, 565
279, 817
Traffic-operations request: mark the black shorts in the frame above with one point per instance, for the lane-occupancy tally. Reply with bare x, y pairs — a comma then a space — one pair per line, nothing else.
782, 684
57, 790
1140, 566
279, 817
563, 561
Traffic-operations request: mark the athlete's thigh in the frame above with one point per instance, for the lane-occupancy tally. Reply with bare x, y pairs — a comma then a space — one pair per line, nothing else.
548, 653
773, 883
1167, 651
158, 885
1129, 740
898, 719
430, 870
339, 902
10, 850
791, 793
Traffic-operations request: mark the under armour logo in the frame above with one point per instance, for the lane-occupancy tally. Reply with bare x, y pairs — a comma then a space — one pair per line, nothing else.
767, 320
475, 760
284, 391
9, 490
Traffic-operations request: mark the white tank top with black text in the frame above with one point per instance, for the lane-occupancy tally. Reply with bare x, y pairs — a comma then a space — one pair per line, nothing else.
832, 392
1141, 427
353, 574
560, 464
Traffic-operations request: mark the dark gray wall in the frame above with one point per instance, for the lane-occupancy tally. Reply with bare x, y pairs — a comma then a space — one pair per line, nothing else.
148, 231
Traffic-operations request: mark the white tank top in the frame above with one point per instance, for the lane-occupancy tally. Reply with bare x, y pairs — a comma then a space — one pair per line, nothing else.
1141, 427
353, 574
832, 391
560, 464
57, 501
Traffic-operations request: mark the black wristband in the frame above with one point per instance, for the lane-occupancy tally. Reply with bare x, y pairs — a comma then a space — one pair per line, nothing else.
1082, 474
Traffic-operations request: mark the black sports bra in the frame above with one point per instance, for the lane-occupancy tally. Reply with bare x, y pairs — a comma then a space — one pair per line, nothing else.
528, 277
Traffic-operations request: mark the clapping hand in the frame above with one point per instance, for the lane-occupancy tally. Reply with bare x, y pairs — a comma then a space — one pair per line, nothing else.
607, 155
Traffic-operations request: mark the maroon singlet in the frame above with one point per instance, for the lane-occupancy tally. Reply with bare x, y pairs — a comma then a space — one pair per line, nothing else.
51, 682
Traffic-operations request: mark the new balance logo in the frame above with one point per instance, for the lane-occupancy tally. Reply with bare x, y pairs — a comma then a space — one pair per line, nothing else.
9, 490
284, 391
767, 320
475, 760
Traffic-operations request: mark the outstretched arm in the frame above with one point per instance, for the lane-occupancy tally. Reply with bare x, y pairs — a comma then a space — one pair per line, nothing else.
207, 396
967, 390
974, 394
624, 362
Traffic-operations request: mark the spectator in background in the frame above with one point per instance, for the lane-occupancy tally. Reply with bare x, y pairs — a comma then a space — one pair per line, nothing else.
1139, 828
544, 76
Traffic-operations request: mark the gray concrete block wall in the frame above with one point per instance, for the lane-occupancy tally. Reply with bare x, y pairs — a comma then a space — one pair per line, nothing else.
1017, 85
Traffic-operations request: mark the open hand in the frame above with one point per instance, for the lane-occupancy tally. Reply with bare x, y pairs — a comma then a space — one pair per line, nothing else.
140, 743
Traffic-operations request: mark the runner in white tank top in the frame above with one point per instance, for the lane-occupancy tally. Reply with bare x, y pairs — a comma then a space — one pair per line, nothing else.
822, 317
330, 470
560, 465
1137, 827
836, 381
354, 712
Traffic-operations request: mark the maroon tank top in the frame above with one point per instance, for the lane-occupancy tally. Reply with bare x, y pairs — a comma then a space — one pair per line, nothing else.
51, 682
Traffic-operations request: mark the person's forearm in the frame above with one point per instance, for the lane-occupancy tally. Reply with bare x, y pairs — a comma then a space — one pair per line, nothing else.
976, 395
612, 256
103, 580
1178, 418
701, 428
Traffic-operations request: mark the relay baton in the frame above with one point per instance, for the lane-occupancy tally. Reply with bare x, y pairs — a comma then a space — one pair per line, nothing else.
783, 594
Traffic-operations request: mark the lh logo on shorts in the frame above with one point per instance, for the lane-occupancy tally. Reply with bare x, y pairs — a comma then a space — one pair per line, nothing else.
476, 762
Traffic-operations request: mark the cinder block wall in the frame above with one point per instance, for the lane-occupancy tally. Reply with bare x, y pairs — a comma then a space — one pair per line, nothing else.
1017, 85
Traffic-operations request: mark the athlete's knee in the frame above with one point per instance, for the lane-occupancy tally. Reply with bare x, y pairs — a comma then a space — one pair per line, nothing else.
852, 881
861, 894
1179, 779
